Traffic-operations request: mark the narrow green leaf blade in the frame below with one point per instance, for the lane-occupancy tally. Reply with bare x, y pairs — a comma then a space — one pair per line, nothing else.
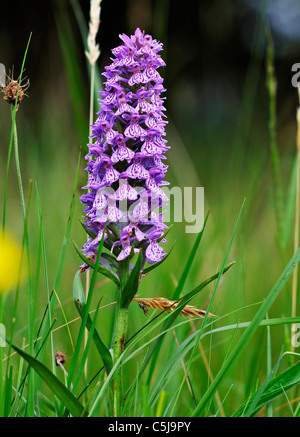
58, 388
102, 268
189, 263
282, 382
172, 317
132, 285
80, 303
249, 332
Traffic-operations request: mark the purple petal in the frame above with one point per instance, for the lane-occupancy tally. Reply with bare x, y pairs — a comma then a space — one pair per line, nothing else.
111, 175
154, 252
137, 171
125, 191
124, 253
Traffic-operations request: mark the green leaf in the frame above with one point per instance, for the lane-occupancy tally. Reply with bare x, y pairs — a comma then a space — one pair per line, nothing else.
282, 382
87, 230
172, 317
203, 324
8, 392
58, 388
102, 268
110, 259
178, 289
106, 244
269, 300
80, 303
132, 285
85, 315
189, 263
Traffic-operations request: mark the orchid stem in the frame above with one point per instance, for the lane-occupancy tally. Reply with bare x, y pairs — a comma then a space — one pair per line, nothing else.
121, 324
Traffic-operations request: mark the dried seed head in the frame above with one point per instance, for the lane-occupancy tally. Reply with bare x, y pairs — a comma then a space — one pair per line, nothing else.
60, 358
167, 305
93, 49
15, 90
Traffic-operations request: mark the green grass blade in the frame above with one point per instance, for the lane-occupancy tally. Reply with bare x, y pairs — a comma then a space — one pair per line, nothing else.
179, 288
172, 317
85, 315
102, 268
241, 344
272, 90
269, 364
7, 392
45, 268
12, 132
80, 303
58, 388
189, 263
209, 306
86, 350
83, 27
270, 389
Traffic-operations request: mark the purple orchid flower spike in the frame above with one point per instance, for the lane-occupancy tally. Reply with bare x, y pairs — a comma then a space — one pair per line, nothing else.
124, 163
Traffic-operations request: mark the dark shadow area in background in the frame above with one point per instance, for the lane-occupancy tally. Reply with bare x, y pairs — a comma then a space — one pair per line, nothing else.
209, 46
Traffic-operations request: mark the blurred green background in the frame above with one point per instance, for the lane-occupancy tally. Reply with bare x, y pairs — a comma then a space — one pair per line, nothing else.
218, 110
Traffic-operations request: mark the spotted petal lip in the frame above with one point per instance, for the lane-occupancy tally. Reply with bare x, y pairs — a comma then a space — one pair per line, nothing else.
126, 151
154, 253
137, 171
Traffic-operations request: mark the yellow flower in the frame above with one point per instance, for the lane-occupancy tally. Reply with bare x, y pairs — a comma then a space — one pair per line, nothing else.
10, 258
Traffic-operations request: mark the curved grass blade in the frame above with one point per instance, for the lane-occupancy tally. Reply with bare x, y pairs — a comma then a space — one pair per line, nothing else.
241, 344
270, 389
103, 268
58, 388
86, 350
290, 204
202, 327
181, 283
184, 301
80, 303
188, 265
172, 317
85, 315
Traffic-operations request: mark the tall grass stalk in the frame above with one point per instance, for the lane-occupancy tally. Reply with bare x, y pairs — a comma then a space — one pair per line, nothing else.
30, 395
12, 132
297, 216
92, 55
272, 91
14, 141
209, 308
269, 300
